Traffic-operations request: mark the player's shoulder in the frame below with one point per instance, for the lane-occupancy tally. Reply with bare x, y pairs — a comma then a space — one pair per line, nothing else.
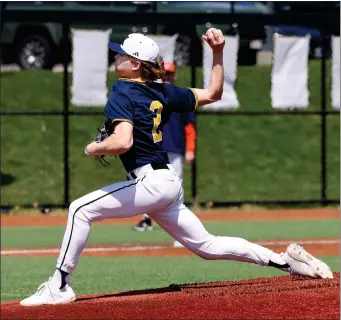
120, 95
130, 87
172, 88
122, 87
175, 92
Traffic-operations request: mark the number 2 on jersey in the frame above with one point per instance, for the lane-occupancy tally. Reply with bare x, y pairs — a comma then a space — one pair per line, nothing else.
157, 134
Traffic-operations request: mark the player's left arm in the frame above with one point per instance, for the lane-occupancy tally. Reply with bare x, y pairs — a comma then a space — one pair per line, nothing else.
117, 143
119, 110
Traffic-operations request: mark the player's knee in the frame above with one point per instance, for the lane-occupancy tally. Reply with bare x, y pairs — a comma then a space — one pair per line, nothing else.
207, 255
74, 207
78, 210
209, 250
204, 255
215, 247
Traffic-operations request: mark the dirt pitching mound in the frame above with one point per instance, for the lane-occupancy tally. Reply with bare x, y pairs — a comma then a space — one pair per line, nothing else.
263, 298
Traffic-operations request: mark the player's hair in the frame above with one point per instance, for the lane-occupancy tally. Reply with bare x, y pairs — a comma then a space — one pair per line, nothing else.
150, 71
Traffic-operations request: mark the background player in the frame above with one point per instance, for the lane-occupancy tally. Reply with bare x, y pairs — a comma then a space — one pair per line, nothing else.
178, 139
138, 107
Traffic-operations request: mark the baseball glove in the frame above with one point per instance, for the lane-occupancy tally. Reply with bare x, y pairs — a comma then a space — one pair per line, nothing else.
103, 133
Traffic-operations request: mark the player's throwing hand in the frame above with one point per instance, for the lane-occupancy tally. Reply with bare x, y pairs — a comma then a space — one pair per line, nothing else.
215, 39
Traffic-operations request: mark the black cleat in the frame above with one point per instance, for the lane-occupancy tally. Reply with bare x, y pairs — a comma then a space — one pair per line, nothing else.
144, 225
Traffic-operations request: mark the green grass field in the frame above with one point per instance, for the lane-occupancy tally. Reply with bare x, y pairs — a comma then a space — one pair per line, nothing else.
239, 158
20, 276
31, 237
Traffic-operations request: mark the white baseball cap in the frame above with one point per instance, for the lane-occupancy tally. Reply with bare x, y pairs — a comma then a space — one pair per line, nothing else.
138, 46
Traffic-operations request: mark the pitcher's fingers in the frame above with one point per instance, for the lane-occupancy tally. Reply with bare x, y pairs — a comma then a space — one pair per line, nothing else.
215, 34
220, 33
210, 34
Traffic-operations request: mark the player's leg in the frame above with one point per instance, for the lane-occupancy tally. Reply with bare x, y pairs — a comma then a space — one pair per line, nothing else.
124, 199
177, 161
145, 224
184, 226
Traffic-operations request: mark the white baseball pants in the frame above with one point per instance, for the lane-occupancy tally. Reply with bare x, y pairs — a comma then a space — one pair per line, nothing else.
177, 162
158, 193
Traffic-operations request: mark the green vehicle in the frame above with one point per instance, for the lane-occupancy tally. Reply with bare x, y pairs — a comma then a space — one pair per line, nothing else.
38, 45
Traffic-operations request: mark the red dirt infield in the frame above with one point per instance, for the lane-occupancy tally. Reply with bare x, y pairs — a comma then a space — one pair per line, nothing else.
263, 298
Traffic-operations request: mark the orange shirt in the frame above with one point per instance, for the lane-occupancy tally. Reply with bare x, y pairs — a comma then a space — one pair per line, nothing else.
190, 136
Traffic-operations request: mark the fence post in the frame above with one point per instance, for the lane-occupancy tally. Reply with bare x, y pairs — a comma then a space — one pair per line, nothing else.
323, 120
3, 5
194, 164
65, 49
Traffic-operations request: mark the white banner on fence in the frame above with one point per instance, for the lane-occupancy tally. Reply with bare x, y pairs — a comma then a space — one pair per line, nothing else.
166, 45
229, 98
336, 72
289, 78
90, 67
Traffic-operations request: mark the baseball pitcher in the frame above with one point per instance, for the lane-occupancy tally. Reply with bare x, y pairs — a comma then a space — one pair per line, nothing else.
136, 111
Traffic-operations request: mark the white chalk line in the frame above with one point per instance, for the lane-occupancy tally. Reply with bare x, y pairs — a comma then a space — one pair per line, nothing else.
302, 242
99, 249
161, 247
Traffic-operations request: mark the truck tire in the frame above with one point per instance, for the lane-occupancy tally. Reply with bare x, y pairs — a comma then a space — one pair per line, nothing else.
183, 47
182, 50
34, 51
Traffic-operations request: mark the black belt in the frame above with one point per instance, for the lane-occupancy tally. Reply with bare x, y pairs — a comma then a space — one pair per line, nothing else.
155, 166
158, 166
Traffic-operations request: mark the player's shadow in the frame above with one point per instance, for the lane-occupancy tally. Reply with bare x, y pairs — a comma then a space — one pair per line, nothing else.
171, 288
6, 179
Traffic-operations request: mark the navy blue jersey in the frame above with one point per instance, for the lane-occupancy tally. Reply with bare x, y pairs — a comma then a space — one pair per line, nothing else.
148, 107
173, 132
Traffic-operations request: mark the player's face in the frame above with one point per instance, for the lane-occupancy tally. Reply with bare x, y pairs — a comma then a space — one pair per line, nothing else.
123, 66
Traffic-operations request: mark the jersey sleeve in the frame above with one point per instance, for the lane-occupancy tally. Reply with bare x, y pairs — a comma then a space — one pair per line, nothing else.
182, 99
190, 117
119, 108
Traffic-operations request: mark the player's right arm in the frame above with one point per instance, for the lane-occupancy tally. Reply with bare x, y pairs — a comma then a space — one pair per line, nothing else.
214, 91
188, 99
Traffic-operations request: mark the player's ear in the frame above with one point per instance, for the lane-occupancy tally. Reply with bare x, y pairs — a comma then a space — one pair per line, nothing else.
136, 65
